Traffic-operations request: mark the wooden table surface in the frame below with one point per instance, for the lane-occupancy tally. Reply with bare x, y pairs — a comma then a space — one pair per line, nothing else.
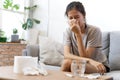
7, 72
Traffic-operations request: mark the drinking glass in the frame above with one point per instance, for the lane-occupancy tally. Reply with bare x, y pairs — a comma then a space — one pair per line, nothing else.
78, 67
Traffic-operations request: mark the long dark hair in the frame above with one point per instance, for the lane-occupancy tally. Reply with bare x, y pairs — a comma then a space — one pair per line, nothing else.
75, 5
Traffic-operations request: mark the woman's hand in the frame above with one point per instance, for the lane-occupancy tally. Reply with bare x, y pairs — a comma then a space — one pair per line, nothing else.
99, 66
74, 26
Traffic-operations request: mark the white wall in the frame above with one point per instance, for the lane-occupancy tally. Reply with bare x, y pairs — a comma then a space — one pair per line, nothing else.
57, 20
102, 13
41, 13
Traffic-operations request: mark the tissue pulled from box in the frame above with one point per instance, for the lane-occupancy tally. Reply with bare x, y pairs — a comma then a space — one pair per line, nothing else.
30, 71
35, 70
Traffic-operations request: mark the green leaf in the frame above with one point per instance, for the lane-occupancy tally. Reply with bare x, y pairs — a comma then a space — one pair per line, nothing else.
24, 26
15, 31
5, 6
29, 23
16, 6
29, 8
2, 33
36, 21
7, 3
34, 6
26, 8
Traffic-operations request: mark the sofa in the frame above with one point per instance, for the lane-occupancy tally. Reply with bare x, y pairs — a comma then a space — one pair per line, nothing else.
54, 53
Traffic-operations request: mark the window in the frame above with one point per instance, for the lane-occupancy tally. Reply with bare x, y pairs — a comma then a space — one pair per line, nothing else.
12, 19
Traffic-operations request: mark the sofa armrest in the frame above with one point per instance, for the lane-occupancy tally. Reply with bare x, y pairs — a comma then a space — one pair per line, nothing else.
31, 50
24, 52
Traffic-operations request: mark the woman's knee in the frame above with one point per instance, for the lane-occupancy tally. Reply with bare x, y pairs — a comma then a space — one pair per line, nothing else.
66, 65
67, 62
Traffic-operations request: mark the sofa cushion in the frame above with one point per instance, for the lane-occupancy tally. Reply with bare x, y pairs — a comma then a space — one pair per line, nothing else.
114, 55
105, 43
51, 52
50, 67
32, 50
114, 74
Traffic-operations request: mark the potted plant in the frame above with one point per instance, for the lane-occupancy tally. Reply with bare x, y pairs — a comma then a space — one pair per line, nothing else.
15, 37
2, 36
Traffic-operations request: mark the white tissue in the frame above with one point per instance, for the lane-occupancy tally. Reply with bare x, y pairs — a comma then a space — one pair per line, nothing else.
69, 75
30, 71
35, 70
42, 70
93, 76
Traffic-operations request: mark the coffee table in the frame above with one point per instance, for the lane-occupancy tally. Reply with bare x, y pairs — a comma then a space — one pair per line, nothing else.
6, 73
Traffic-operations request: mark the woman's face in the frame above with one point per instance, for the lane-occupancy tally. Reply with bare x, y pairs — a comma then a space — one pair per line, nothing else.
78, 16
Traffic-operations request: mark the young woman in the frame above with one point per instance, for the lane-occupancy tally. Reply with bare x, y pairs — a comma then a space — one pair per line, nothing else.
82, 41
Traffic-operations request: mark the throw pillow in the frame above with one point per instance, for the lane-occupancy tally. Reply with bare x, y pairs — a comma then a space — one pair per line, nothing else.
51, 52
114, 55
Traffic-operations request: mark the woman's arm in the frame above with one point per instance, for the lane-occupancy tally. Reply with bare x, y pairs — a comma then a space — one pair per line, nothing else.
81, 48
68, 55
74, 26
